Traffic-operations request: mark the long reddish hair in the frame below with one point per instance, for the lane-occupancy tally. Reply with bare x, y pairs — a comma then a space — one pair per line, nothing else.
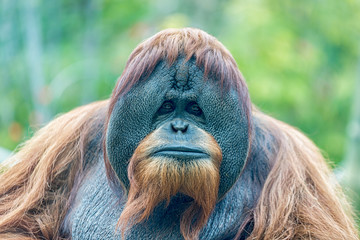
37, 181
155, 179
299, 199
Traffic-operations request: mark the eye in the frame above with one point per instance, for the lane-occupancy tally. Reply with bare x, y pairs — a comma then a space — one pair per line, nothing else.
194, 109
166, 107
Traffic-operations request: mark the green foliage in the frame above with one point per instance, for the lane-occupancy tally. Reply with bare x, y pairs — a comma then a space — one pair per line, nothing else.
299, 57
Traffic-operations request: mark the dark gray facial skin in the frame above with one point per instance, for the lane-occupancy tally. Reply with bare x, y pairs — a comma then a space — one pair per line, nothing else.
179, 96
96, 208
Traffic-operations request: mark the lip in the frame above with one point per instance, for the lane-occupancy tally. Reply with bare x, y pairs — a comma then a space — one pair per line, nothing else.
181, 152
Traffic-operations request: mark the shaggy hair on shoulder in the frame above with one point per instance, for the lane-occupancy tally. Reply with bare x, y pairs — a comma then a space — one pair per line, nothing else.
35, 191
298, 201
300, 198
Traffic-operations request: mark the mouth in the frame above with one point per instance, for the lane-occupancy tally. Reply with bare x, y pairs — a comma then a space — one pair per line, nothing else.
181, 152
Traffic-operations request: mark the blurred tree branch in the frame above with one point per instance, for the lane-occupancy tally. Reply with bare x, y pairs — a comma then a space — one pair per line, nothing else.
93, 10
34, 59
351, 163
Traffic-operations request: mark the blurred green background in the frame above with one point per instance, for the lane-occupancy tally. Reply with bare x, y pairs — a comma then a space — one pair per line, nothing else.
300, 58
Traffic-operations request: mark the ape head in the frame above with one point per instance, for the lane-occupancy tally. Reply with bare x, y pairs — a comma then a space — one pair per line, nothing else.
178, 125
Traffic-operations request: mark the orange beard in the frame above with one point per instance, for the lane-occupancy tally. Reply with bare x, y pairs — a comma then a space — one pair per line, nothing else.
157, 179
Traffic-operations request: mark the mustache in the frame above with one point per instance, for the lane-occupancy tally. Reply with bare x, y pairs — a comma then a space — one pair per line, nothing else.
154, 179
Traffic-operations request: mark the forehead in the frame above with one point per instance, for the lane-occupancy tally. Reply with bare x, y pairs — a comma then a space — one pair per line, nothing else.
183, 77
183, 80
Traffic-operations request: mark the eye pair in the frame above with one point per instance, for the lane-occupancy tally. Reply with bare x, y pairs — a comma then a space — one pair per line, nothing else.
192, 108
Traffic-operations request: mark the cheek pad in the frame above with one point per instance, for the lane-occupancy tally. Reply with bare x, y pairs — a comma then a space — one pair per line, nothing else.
229, 126
131, 121
123, 135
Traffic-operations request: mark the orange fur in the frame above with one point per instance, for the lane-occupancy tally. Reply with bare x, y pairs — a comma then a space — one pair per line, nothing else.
300, 199
157, 179
35, 190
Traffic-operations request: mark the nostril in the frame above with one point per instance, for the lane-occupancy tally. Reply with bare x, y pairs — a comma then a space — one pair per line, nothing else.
174, 128
185, 128
179, 125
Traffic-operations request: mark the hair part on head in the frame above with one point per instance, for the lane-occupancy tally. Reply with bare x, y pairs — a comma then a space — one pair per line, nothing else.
210, 54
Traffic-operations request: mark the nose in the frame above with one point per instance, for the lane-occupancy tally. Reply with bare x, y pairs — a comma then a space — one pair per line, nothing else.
179, 125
